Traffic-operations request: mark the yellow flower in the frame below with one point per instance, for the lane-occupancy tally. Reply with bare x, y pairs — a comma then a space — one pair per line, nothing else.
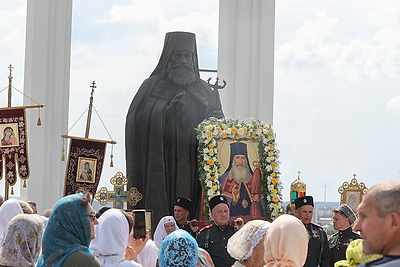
211, 153
224, 135
278, 214
269, 132
212, 178
245, 130
209, 139
234, 130
214, 188
224, 126
251, 126
274, 191
218, 129
273, 164
270, 138
274, 181
211, 146
210, 162
275, 199
209, 127
208, 132
211, 171
273, 174
260, 127
276, 207
238, 136
271, 146
253, 134
270, 154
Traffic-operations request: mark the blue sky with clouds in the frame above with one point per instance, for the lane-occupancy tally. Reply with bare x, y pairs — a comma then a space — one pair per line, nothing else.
337, 74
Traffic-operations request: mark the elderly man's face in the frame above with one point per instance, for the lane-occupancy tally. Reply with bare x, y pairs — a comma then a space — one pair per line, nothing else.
374, 230
220, 214
240, 160
180, 68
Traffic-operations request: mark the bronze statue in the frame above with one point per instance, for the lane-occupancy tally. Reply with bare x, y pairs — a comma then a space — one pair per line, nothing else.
160, 136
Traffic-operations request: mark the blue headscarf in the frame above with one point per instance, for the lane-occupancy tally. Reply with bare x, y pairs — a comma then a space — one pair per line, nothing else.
68, 230
178, 248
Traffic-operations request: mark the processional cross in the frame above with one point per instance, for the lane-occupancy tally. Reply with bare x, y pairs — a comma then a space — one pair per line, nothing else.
119, 195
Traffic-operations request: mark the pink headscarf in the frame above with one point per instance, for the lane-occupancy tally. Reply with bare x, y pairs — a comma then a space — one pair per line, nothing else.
286, 243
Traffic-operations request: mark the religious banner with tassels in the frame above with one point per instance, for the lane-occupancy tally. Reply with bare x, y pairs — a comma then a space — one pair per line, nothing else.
85, 159
14, 141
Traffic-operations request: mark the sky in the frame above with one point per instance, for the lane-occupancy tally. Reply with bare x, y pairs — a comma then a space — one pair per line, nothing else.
337, 74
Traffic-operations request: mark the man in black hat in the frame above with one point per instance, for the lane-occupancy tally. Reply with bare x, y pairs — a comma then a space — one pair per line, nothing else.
318, 249
182, 209
343, 218
214, 237
160, 135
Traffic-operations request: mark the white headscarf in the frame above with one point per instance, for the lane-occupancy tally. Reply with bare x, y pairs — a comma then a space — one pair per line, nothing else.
8, 210
112, 233
22, 241
286, 243
160, 232
241, 244
149, 254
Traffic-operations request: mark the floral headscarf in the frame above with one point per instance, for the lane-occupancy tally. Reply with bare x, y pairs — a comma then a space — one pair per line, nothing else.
286, 242
355, 256
22, 241
178, 249
241, 244
68, 230
8, 210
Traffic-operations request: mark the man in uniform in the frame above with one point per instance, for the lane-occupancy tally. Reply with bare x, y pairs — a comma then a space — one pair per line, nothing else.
318, 249
182, 209
214, 237
343, 218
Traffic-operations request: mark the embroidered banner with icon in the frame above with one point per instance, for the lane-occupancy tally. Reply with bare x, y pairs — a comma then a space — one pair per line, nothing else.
13, 145
85, 163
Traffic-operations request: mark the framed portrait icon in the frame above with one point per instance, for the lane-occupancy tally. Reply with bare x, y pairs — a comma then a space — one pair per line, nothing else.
9, 135
239, 159
86, 171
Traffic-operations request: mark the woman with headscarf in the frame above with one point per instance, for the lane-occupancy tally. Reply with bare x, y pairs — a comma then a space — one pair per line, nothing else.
68, 234
247, 244
286, 243
22, 241
178, 249
165, 226
112, 234
9, 209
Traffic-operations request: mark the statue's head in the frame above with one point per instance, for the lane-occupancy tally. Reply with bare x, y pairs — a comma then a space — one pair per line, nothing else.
179, 58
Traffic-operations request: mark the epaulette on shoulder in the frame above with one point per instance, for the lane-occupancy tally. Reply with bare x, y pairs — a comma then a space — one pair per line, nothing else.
319, 226
206, 227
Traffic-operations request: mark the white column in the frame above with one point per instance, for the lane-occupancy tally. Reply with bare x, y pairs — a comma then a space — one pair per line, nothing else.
47, 74
246, 58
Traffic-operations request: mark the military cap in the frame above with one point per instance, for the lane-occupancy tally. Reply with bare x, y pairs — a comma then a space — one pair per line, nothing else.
183, 203
302, 201
347, 212
214, 201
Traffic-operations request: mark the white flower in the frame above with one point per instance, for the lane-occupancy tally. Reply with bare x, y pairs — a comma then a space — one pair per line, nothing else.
229, 131
206, 167
209, 183
206, 150
210, 192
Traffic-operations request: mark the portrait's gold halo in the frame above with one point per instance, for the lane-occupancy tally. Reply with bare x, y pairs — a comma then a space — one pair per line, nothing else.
224, 150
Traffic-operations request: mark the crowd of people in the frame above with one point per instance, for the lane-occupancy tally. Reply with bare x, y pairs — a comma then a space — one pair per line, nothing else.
76, 235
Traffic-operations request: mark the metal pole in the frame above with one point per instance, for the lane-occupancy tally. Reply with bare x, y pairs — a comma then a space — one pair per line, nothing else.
89, 117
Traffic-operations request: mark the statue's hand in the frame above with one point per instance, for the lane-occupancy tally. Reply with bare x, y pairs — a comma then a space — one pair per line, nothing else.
175, 104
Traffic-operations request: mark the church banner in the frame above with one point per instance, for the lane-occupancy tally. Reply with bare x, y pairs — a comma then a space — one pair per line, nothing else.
85, 163
13, 145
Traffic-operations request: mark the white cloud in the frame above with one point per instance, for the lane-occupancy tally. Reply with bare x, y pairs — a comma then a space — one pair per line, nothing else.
394, 103
359, 59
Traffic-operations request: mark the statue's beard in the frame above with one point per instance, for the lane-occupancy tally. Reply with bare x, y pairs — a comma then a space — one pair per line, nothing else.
240, 173
181, 76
